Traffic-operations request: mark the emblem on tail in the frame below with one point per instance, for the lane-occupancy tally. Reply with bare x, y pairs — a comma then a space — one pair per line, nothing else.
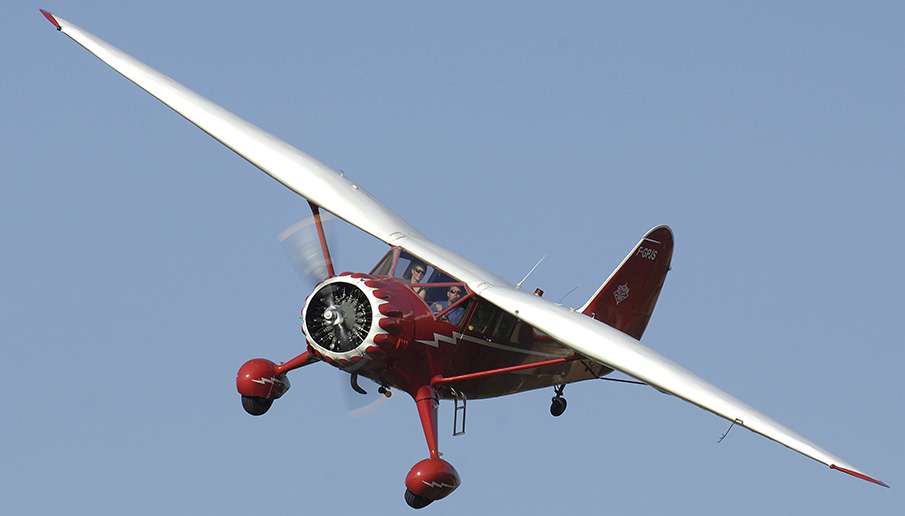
621, 293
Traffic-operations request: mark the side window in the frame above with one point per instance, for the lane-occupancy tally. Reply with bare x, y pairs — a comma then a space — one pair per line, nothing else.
483, 316
456, 314
504, 327
454, 304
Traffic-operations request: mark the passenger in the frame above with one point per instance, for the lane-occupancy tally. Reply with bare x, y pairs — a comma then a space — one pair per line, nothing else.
414, 273
453, 295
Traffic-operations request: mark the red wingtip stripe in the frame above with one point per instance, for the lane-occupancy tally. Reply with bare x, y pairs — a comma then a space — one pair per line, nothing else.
862, 476
51, 18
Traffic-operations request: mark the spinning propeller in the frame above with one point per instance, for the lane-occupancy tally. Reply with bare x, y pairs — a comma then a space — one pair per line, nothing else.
302, 245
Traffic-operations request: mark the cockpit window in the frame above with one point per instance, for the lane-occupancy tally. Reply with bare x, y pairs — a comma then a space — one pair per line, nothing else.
453, 308
385, 265
412, 270
447, 297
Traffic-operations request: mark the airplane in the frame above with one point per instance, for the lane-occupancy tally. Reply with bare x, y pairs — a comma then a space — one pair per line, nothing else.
437, 326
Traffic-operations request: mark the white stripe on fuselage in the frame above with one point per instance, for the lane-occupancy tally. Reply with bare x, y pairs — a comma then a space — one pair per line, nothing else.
456, 336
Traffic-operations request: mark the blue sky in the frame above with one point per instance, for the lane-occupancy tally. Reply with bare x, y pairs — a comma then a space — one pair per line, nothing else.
142, 266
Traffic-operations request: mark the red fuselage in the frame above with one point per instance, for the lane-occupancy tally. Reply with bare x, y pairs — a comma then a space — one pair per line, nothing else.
420, 334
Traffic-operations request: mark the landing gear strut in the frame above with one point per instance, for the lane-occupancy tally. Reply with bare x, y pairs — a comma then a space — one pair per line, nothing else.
432, 478
559, 403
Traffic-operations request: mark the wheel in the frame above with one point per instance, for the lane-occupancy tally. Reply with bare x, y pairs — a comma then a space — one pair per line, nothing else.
256, 406
416, 501
558, 406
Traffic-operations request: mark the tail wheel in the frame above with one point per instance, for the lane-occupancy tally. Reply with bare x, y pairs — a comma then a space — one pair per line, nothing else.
559, 403
256, 406
416, 501
558, 406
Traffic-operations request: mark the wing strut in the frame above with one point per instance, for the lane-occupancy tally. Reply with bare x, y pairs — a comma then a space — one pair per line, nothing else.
318, 223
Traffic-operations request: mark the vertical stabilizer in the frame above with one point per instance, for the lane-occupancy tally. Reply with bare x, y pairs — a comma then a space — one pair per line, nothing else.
627, 298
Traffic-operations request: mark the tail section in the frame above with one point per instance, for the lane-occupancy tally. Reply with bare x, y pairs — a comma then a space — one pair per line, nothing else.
626, 299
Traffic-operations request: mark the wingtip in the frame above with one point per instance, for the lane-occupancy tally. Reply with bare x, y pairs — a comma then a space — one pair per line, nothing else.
50, 18
862, 476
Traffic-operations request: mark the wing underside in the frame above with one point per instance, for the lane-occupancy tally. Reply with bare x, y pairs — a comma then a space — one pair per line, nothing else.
627, 355
335, 193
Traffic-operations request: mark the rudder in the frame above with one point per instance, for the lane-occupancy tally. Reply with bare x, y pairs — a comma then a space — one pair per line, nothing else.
627, 298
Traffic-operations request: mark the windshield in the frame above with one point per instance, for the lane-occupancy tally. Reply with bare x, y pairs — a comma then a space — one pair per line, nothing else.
447, 297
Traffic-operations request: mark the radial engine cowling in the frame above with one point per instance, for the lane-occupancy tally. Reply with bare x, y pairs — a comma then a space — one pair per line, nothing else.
355, 317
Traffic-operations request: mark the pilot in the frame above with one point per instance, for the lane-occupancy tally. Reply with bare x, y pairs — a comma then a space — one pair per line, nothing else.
453, 295
414, 273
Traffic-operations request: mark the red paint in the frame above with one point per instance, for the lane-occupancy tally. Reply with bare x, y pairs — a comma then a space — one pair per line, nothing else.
318, 223
51, 19
440, 380
302, 360
418, 348
626, 301
433, 479
258, 378
427, 402
859, 475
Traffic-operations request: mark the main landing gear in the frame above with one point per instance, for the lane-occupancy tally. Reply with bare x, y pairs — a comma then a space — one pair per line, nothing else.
260, 381
432, 478
559, 403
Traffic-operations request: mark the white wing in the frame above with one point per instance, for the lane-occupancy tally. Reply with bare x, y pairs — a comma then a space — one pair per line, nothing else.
330, 190
623, 353
300, 172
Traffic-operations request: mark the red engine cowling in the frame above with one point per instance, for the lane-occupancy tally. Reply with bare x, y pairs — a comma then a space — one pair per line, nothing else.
355, 317
257, 378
